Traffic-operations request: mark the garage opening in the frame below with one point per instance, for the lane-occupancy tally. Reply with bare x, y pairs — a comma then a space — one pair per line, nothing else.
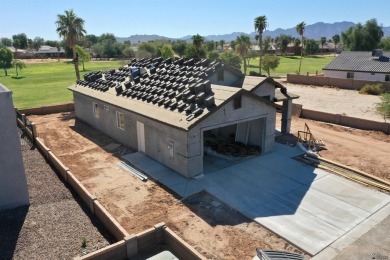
225, 145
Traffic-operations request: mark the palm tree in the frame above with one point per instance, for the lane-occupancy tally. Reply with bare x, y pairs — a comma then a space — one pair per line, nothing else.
300, 28
322, 41
243, 44
19, 65
260, 25
221, 43
336, 41
197, 41
71, 28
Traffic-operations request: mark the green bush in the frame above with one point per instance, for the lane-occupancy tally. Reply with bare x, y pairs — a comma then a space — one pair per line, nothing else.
372, 89
384, 106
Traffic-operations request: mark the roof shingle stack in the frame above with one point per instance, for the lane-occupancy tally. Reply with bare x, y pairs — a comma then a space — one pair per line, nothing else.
177, 85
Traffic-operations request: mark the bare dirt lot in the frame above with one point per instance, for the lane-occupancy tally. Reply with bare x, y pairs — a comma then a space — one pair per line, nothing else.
216, 232
364, 150
335, 101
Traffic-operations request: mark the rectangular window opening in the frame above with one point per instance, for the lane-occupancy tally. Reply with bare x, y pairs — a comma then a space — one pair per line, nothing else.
350, 75
95, 109
237, 102
387, 78
120, 120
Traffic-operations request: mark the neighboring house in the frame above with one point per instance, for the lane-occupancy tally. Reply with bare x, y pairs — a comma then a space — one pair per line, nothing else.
20, 53
362, 65
171, 109
46, 51
13, 184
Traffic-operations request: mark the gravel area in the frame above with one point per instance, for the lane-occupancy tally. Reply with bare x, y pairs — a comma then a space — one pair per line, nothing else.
54, 224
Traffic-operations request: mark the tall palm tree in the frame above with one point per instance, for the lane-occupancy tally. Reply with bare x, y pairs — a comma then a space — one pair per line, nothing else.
300, 28
260, 25
336, 41
242, 47
222, 43
71, 28
322, 41
197, 41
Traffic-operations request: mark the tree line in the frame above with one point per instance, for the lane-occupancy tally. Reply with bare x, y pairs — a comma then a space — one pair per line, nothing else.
80, 46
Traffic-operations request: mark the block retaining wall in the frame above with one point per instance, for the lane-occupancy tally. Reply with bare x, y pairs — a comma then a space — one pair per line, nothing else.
127, 245
354, 84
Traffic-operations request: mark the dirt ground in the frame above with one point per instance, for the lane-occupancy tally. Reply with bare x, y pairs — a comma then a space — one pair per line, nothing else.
364, 150
216, 232
45, 60
335, 100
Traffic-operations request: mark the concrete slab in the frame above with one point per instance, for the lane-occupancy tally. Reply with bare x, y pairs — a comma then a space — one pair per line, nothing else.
309, 207
352, 193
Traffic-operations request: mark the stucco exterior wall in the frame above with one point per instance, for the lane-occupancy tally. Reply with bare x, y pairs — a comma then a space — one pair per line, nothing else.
252, 109
158, 136
13, 182
357, 75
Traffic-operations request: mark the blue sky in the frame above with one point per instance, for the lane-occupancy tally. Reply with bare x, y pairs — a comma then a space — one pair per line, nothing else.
177, 18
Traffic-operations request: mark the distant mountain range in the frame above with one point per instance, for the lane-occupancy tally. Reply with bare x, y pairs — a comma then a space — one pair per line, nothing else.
313, 31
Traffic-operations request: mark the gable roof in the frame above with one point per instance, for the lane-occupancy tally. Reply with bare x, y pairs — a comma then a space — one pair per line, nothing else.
165, 91
361, 61
251, 83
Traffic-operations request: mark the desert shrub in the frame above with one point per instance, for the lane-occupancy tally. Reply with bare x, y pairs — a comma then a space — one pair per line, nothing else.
384, 106
372, 89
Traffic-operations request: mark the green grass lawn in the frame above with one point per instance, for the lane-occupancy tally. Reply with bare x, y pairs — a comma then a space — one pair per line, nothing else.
290, 64
46, 83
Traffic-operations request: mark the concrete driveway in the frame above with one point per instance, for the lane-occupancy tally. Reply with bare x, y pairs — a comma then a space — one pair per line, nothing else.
309, 207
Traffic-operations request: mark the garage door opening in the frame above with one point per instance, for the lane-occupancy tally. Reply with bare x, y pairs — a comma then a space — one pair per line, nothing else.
225, 145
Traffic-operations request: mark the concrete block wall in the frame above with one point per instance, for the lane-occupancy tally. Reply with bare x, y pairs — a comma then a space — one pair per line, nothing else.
67, 107
157, 135
140, 243
346, 121
89, 199
344, 83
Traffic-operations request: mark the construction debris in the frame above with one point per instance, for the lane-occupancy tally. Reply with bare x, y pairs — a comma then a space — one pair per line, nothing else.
133, 171
308, 143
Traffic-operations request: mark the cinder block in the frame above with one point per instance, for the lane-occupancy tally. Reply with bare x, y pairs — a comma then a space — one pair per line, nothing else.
84, 194
109, 222
159, 229
131, 245
114, 251
146, 239
61, 168
42, 147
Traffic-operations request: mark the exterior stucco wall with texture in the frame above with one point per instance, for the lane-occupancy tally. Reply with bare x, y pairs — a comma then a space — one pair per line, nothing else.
13, 182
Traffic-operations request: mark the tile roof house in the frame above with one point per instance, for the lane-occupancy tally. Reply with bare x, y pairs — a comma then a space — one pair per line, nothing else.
362, 65
175, 111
